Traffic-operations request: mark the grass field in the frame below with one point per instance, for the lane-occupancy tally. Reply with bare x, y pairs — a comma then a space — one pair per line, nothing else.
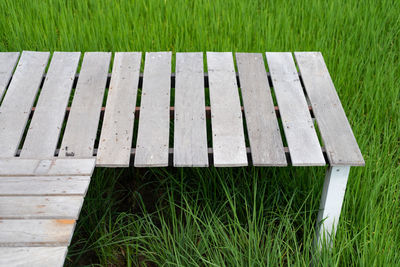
245, 216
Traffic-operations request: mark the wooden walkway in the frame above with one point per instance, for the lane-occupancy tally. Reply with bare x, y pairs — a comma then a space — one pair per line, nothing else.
56, 126
40, 201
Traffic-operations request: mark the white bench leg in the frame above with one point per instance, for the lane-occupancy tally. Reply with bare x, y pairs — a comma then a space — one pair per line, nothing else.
331, 204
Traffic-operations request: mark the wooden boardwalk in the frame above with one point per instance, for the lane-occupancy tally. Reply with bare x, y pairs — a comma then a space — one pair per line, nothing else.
55, 126
40, 201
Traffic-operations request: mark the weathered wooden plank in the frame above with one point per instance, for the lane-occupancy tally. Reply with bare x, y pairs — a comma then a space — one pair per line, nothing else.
190, 131
8, 60
36, 233
44, 185
298, 126
153, 133
116, 135
32, 256
55, 166
40, 207
226, 115
340, 143
44, 129
81, 129
262, 125
18, 101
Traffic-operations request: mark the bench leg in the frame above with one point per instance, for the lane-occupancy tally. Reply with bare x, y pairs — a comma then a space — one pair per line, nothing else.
331, 204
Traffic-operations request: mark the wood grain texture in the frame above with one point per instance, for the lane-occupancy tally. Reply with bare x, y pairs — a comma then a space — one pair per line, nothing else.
45, 127
43, 185
153, 132
8, 60
33, 256
116, 135
45, 167
36, 233
262, 125
298, 125
18, 101
190, 131
40, 207
226, 115
340, 143
81, 129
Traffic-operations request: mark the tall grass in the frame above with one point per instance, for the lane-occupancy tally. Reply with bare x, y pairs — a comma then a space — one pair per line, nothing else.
244, 216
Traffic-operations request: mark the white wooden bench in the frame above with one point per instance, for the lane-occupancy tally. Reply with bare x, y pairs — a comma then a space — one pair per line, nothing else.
42, 186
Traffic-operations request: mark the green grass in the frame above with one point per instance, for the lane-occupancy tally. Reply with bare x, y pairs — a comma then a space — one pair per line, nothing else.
245, 216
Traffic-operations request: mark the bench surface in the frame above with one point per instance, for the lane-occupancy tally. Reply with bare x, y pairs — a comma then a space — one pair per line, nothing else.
55, 126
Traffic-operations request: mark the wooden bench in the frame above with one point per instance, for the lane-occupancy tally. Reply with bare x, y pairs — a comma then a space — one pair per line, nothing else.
42, 185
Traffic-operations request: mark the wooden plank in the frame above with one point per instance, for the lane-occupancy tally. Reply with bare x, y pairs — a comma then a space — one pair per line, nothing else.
40, 207
298, 125
44, 185
153, 133
18, 101
44, 129
8, 60
190, 132
33, 256
226, 115
81, 129
116, 135
36, 233
55, 166
264, 134
340, 143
